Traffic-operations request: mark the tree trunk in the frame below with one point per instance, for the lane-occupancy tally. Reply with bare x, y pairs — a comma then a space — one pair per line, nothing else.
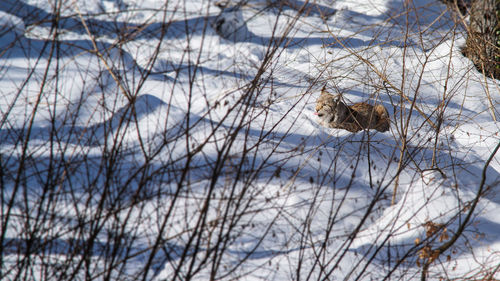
482, 45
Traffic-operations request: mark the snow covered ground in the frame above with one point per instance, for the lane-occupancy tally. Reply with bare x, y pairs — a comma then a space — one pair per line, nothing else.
165, 140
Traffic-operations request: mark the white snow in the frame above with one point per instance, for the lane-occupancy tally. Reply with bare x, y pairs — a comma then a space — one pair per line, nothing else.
295, 200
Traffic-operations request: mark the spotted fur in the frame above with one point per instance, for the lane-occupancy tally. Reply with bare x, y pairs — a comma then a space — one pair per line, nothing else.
333, 113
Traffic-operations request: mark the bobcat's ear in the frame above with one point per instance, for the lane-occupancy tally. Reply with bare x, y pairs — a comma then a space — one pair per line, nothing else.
337, 98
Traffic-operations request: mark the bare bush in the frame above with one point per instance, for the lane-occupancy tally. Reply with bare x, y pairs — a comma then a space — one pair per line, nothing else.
175, 142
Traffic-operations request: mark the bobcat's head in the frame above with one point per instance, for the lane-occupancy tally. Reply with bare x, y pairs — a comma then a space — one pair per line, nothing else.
330, 109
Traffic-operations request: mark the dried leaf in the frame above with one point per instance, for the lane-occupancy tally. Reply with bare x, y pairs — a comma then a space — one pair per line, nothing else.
444, 236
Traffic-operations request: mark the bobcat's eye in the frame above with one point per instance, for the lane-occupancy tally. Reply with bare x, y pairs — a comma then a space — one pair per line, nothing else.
321, 114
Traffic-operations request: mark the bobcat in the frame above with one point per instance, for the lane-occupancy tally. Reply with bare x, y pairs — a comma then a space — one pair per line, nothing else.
333, 113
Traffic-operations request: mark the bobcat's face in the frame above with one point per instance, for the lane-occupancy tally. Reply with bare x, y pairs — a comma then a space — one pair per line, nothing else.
326, 115
331, 110
326, 108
